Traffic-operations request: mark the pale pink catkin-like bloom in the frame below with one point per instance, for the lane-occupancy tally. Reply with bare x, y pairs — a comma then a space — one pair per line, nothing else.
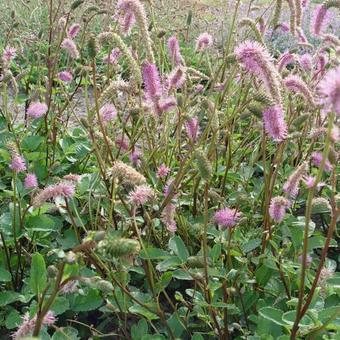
107, 113
27, 326
65, 76
177, 77
125, 15
286, 59
277, 208
317, 159
291, 186
320, 19
192, 128
71, 48
168, 217
257, 61
17, 163
152, 82
165, 104
113, 57
135, 157
73, 31
162, 171
30, 181
141, 195
8, 54
62, 189
274, 123
72, 178
295, 84
36, 109
329, 90
203, 42
227, 217
174, 51
306, 62
284, 27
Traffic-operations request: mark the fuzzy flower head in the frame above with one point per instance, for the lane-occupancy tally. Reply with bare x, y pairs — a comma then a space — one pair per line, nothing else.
27, 326
295, 84
135, 157
277, 208
177, 77
174, 51
204, 41
257, 61
8, 54
163, 171
71, 48
168, 217
286, 59
152, 82
284, 27
306, 62
73, 31
291, 186
126, 174
141, 195
107, 112
329, 90
320, 19
274, 123
227, 217
65, 76
36, 109
192, 128
317, 158
113, 57
31, 181
17, 163
62, 189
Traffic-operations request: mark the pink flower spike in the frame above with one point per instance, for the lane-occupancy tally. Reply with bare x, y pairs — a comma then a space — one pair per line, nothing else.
70, 47
17, 163
306, 62
277, 208
113, 57
192, 128
135, 157
73, 31
31, 181
284, 27
177, 77
204, 41
36, 109
9, 54
153, 88
107, 112
320, 19
286, 59
174, 51
274, 123
65, 76
329, 90
141, 195
163, 171
317, 159
227, 217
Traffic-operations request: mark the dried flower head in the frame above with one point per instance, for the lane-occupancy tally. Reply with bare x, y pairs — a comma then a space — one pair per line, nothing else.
295, 84
107, 112
127, 174
168, 217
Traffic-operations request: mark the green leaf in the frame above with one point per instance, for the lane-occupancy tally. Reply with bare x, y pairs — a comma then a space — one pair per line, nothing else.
164, 281
90, 301
177, 245
140, 329
40, 223
170, 263
250, 245
8, 297
263, 275
176, 325
289, 318
319, 242
143, 311
154, 254
60, 305
13, 319
331, 312
31, 143
66, 333
5, 275
272, 314
38, 277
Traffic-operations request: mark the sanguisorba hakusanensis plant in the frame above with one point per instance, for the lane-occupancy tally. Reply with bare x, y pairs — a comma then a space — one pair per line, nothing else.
155, 185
